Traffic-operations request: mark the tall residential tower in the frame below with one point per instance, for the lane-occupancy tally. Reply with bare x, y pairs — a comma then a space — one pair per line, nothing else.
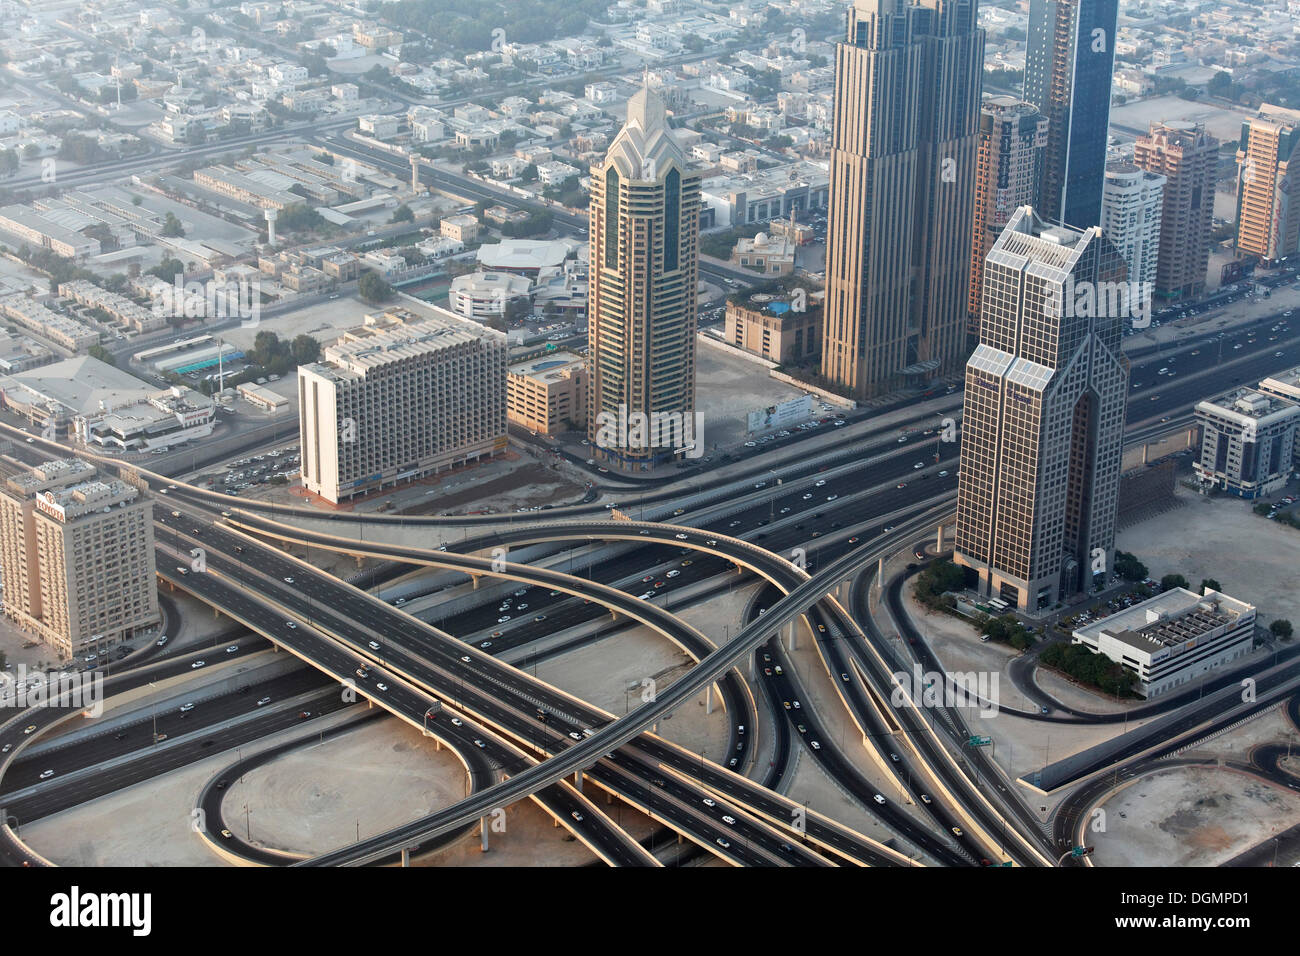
1188, 157
1043, 426
1069, 60
903, 150
645, 225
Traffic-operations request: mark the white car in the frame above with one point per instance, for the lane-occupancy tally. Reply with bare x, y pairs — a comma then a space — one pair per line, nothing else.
708, 803
48, 773
680, 537
503, 618
373, 645
290, 625
729, 821
673, 573
288, 580
879, 799
814, 745
380, 685
186, 708
197, 664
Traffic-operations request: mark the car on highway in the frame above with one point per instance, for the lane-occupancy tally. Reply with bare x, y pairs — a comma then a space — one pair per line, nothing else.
380, 685
575, 735
815, 745
485, 645
956, 831
796, 705
464, 658
457, 722
680, 537
722, 843
479, 744
373, 645
503, 618
708, 803
819, 483
288, 580
263, 702
576, 815
186, 708
901, 484
232, 648
787, 704
197, 664
893, 757
767, 671
226, 834
673, 573
844, 677
363, 671
802, 729
925, 798
291, 625
831, 497
879, 799
161, 642
46, 775
729, 820
304, 714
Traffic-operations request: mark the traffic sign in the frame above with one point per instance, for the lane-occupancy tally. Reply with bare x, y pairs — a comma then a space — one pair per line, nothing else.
977, 741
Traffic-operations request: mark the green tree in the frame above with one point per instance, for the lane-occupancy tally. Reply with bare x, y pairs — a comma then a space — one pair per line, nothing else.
172, 226
1281, 629
101, 353
304, 349
403, 214
373, 288
1211, 584
1171, 581
1129, 567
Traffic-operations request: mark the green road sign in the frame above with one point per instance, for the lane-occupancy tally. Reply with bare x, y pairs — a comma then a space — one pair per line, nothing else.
979, 741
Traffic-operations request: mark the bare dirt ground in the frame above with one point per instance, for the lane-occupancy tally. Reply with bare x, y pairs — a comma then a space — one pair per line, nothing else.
1253, 558
1190, 816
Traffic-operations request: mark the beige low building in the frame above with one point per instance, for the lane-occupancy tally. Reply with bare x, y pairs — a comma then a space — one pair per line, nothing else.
78, 556
769, 255
548, 395
462, 228
777, 329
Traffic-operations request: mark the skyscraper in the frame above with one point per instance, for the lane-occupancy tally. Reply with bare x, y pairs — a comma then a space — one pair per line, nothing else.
645, 220
1131, 203
1008, 175
1043, 427
1268, 197
903, 149
78, 557
1188, 157
1069, 61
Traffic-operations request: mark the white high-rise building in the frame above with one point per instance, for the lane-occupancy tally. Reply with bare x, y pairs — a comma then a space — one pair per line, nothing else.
394, 402
1132, 203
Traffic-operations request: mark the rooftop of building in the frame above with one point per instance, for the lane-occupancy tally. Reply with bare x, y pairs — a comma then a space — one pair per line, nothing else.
1170, 619
552, 368
376, 345
82, 385
1251, 404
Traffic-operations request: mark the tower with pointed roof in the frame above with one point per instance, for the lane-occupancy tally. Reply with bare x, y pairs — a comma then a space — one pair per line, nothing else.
645, 214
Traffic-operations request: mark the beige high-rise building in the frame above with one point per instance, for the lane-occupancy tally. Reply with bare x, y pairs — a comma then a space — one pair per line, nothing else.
645, 223
1008, 175
1188, 157
1268, 197
78, 555
903, 156
1043, 418
396, 402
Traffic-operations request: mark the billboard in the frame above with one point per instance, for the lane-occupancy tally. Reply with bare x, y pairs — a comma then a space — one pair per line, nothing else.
784, 415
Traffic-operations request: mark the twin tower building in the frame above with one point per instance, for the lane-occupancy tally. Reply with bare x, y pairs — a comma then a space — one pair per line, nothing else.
1046, 385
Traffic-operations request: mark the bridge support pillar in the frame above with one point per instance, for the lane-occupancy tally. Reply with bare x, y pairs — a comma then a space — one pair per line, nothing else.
938, 540
1191, 437
406, 856
474, 578
1146, 453
483, 834
708, 699
680, 839
577, 780
792, 636
880, 570
609, 798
